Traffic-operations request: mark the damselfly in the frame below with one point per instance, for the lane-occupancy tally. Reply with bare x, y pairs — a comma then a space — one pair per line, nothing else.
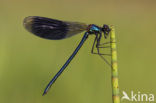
55, 30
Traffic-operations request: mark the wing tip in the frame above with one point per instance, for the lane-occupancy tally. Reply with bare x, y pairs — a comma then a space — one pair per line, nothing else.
28, 22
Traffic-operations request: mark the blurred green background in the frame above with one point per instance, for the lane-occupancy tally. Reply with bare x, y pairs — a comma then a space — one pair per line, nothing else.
27, 62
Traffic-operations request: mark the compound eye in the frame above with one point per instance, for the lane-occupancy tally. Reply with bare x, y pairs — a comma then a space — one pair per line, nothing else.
104, 26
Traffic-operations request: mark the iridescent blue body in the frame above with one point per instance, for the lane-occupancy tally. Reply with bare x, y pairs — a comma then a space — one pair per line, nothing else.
92, 28
56, 30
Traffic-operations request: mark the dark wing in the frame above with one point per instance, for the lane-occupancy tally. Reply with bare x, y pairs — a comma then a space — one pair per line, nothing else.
51, 28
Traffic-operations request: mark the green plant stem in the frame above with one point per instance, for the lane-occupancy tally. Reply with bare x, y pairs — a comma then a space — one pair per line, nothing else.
114, 73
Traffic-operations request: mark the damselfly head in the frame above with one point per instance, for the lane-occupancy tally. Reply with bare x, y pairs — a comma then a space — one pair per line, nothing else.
106, 30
